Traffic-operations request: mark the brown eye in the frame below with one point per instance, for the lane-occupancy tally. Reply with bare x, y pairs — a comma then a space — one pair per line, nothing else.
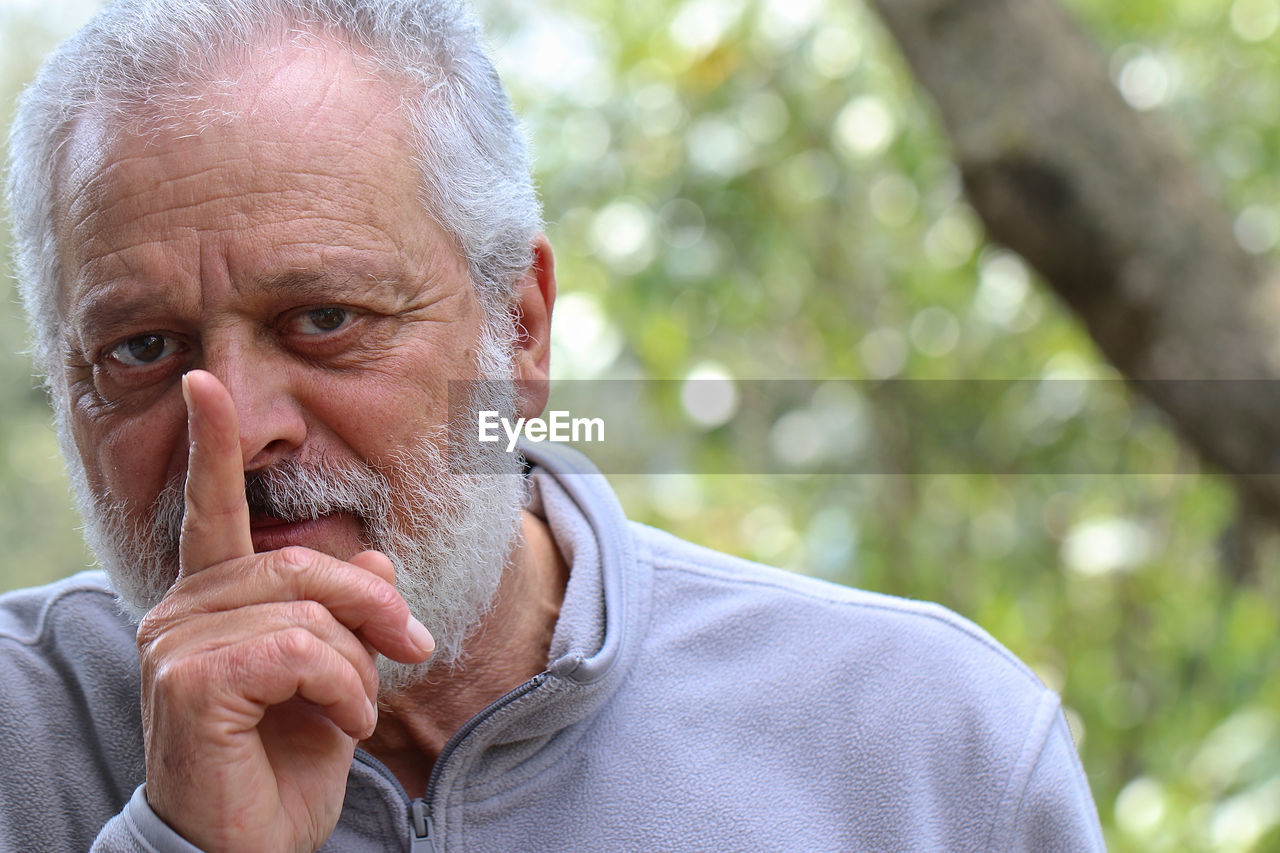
326, 319
142, 350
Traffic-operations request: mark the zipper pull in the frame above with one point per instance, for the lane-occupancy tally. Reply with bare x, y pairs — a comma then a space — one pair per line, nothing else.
420, 839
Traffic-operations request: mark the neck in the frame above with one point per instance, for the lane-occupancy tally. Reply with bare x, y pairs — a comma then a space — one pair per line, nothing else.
509, 648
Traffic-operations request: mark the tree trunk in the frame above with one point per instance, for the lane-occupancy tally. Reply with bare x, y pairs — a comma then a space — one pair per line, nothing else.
1106, 205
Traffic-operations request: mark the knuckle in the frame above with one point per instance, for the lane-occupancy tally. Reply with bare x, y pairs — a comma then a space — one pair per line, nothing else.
208, 503
177, 606
383, 595
306, 611
157, 624
294, 560
150, 664
176, 677
195, 521
155, 650
294, 644
150, 629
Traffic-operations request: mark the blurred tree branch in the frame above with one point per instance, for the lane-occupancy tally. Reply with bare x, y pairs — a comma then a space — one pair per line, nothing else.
1107, 206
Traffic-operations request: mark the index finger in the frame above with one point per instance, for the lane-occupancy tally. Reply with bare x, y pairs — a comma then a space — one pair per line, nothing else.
215, 526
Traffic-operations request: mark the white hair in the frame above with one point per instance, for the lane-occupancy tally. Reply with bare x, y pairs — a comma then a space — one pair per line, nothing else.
142, 65
150, 60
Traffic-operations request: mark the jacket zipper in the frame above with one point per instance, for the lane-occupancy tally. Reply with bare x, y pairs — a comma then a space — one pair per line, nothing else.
421, 841
421, 831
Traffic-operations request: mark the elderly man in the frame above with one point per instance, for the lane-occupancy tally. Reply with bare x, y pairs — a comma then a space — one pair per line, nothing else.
258, 239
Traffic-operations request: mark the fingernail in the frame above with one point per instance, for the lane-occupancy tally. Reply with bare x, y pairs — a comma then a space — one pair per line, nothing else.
373, 716
186, 398
420, 636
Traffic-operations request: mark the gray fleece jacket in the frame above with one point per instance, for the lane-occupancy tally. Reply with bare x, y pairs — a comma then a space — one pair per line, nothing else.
692, 701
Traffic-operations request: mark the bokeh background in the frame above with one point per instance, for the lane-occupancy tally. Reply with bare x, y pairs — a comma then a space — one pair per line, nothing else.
756, 189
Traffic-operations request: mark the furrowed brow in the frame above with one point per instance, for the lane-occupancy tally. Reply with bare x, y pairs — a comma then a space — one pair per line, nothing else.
113, 308
318, 286
107, 312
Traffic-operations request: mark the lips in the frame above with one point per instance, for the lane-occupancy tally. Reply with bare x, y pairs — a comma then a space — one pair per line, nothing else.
260, 520
270, 533
337, 534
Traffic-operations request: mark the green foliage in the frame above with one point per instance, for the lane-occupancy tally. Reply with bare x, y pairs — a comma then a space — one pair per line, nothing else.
756, 186
37, 522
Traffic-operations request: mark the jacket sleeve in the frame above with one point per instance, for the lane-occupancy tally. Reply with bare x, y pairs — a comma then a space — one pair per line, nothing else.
138, 829
1048, 806
70, 726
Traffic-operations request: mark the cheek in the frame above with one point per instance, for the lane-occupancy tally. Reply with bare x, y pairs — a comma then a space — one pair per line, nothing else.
391, 404
374, 416
131, 459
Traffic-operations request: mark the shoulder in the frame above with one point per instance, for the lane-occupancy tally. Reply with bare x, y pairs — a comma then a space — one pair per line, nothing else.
74, 618
68, 649
71, 729
65, 645
69, 636
835, 622
928, 692
903, 714
26, 614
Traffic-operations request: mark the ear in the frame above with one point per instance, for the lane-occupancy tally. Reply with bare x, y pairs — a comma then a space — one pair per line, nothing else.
534, 299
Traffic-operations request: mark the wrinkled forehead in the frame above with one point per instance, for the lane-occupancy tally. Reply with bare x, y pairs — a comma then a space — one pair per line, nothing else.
307, 85
312, 97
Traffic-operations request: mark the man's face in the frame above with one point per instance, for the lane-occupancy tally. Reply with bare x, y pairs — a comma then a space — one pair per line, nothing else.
286, 251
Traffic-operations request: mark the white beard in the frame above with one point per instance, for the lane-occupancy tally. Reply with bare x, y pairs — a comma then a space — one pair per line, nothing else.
446, 512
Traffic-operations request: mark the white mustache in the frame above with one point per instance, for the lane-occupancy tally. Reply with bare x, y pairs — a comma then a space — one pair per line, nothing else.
290, 490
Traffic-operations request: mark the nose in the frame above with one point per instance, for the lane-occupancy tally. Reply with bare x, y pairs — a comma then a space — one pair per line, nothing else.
272, 423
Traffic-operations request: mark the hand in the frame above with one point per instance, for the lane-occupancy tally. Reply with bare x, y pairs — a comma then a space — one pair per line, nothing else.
258, 673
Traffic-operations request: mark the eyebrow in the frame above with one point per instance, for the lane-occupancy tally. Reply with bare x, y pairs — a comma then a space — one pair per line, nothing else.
107, 309
322, 285
302, 283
